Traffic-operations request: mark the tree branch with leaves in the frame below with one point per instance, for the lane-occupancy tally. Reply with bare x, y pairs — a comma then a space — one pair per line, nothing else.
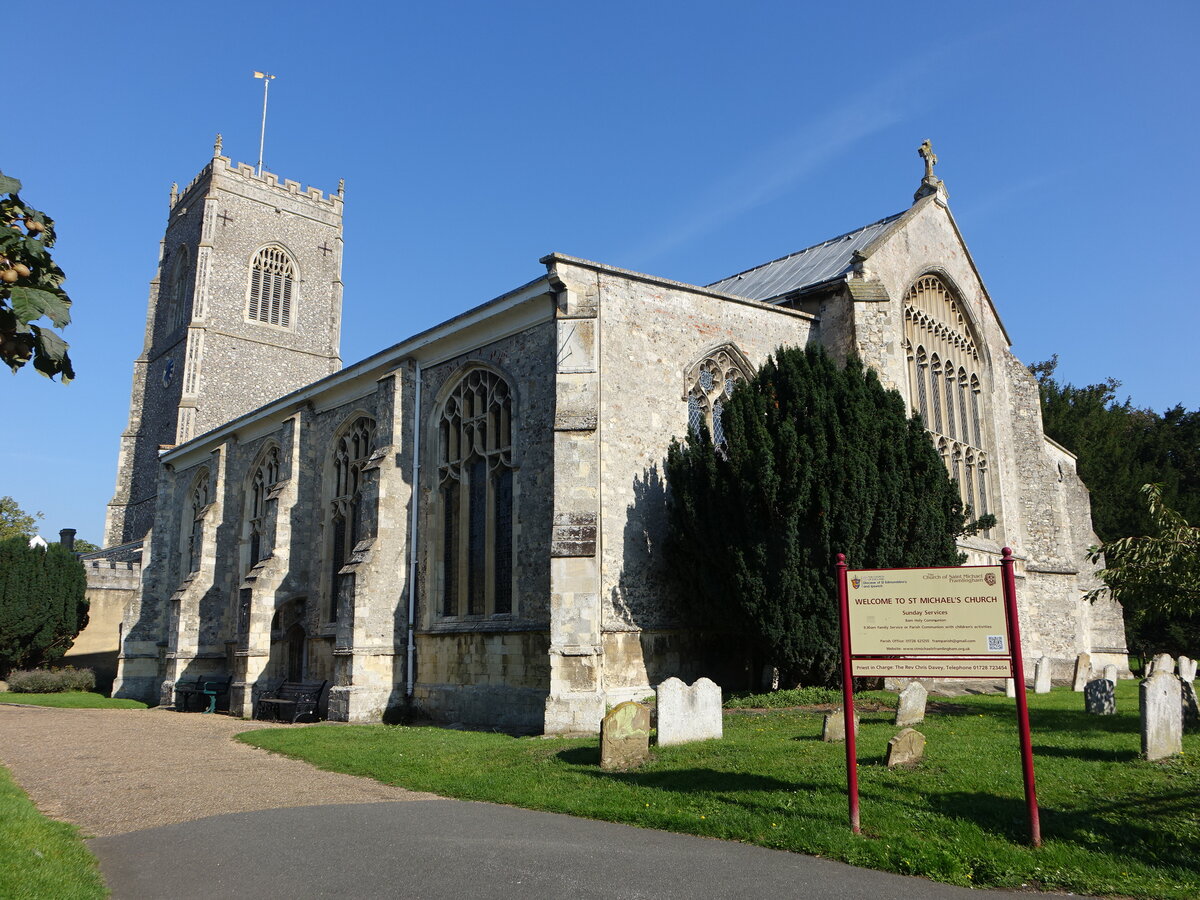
30, 288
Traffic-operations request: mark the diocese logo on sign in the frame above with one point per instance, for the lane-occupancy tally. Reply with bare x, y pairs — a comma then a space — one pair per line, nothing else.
989, 578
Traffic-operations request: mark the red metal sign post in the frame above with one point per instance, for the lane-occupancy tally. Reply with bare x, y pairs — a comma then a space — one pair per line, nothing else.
896, 639
1014, 641
848, 693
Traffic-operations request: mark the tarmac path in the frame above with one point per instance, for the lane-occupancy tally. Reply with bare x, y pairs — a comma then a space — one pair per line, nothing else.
177, 809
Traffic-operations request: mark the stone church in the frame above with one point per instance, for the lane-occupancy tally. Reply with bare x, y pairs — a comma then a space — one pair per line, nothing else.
469, 522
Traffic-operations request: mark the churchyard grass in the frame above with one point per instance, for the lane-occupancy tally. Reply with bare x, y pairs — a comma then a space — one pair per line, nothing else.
39, 857
1112, 823
71, 700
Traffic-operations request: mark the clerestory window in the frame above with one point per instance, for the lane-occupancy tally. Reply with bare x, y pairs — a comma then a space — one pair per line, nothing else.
272, 276
475, 496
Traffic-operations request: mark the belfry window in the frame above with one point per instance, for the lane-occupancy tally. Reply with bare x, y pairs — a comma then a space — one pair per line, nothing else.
272, 275
944, 372
710, 383
350, 455
475, 496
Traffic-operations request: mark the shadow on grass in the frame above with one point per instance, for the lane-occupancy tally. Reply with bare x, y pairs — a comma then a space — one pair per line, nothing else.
1114, 828
680, 781
1092, 754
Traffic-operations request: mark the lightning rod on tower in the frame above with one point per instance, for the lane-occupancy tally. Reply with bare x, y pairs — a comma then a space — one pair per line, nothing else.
266, 80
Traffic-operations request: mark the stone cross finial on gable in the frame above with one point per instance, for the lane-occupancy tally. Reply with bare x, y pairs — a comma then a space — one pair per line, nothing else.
930, 184
925, 151
218, 141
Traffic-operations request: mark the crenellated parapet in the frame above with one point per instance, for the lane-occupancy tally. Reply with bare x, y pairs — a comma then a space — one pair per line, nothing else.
223, 166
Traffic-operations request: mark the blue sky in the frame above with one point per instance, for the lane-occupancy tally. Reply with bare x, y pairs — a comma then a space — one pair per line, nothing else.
689, 140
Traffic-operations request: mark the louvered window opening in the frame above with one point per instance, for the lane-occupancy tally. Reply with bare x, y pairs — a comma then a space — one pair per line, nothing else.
944, 385
350, 455
271, 280
475, 493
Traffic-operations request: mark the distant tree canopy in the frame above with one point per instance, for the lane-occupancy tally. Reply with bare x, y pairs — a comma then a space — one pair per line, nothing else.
818, 459
15, 522
1142, 469
42, 603
1121, 448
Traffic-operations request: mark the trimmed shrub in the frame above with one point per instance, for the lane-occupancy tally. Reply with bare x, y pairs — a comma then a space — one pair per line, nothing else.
51, 681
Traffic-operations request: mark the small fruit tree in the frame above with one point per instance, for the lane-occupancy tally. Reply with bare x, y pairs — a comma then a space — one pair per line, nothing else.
30, 288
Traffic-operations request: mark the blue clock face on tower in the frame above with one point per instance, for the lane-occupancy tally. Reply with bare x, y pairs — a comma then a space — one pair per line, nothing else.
168, 373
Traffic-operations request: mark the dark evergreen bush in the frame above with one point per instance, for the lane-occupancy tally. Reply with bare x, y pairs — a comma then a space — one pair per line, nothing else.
819, 459
42, 603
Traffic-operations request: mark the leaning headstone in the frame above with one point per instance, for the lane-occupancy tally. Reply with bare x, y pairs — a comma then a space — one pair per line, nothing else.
1010, 687
911, 708
1162, 663
1083, 671
1041, 676
905, 748
688, 713
625, 736
1161, 697
834, 728
1187, 669
1100, 698
1110, 672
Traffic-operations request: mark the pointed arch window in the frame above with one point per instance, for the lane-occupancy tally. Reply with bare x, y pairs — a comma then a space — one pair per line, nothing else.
710, 384
266, 476
475, 496
351, 452
198, 504
936, 324
176, 294
272, 276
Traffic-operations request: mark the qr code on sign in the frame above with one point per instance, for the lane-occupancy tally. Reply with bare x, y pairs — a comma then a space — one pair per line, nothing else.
996, 642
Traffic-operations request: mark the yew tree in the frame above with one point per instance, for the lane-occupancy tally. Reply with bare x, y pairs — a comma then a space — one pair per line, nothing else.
42, 603
30, 288
818, 459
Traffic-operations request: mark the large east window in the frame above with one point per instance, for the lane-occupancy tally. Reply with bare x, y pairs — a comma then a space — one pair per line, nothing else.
475, 496
944, 371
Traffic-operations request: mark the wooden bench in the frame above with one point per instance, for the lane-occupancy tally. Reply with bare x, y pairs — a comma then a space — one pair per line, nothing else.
290, 701
210, 686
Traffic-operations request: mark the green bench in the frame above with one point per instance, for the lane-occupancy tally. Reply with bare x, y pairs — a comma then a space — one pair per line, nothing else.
205, 686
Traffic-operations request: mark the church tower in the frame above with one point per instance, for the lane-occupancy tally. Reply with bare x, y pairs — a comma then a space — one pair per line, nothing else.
246, 306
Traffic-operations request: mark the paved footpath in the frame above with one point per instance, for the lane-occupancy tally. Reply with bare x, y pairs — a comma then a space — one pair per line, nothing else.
179, 810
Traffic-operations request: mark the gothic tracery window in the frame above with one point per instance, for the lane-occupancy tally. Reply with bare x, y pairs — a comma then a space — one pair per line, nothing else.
272, 275
350, 455
709, 386
944, 372
266, 475
197, 506
475, 496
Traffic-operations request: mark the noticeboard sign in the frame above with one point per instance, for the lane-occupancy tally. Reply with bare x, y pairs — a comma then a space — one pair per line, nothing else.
928, 623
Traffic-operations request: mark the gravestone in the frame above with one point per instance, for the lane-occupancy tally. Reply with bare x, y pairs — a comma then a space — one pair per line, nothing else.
1100, 698
1187, 675
834, 728
1161, 700
1010, 687
1041, 676
688, 713
1110, 672
625, 736
911, 708
1162, 663
905, 748
1083, 671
